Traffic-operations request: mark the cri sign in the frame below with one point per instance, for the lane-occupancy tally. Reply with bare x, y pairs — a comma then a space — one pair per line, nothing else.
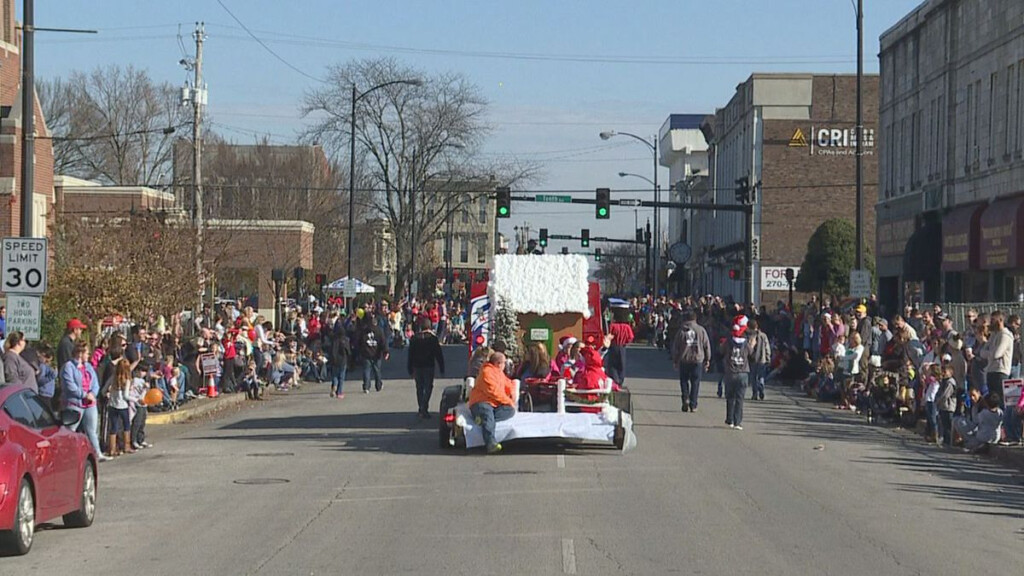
833, 141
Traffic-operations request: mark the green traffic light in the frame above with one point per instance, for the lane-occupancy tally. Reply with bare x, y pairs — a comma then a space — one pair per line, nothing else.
503, 211
602, 211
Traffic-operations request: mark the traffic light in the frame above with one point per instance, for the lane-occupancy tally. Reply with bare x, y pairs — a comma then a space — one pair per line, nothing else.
640, 235
735, 274
597, 254
504, 196
604, 204
543, 237
321, 279
743, 194
585, 238
565, 249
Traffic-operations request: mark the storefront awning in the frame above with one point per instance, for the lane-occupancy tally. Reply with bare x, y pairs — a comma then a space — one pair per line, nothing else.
960, 234
922, 256
1001, 234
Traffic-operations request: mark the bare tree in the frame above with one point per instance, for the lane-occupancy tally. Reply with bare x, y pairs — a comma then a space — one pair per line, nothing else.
415, 143
621, 269
112, 125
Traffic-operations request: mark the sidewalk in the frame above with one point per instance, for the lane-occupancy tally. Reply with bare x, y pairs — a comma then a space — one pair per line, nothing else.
199, 407
1009, 455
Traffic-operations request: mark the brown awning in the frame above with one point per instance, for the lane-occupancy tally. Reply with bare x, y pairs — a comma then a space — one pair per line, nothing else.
960, 235
1001, 235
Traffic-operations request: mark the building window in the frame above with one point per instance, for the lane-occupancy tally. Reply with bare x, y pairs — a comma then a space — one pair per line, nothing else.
941, 132
464, 250
976, 156
993, 82
483, 209
969, 116
1020, 103
481, 250
914, 140
1008, 114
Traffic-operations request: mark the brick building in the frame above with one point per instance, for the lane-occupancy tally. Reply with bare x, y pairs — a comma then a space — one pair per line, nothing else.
242, 254
951, 201
793, 133
10, 139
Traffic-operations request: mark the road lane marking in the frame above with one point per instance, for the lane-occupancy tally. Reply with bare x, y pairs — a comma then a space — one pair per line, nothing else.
568, 556
561, 460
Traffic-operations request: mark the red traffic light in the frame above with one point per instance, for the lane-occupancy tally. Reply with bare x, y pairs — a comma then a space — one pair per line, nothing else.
734, 274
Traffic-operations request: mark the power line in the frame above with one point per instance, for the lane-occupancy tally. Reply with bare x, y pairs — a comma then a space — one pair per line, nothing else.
265, 47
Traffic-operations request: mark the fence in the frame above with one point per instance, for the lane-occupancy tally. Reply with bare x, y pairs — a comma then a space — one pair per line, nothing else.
958, 311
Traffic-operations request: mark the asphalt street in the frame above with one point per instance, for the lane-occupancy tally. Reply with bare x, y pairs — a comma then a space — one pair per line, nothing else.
306, 485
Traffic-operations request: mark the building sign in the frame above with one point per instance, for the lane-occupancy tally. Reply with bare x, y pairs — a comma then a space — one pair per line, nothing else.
860, 283
774, 277
755, 248
999, 229
828, 141
893, 236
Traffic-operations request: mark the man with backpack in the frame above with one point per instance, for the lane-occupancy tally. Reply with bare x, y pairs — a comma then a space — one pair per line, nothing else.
691, 356
373, 349
762, 359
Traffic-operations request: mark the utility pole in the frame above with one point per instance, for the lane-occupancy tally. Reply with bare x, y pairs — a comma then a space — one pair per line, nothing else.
198, 101
647, 256
860, 136
28, 117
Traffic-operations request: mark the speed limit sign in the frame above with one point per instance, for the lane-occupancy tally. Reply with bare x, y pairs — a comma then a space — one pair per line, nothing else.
24, 262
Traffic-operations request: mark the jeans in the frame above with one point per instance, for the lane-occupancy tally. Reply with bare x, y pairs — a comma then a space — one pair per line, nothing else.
488, 415
338, 373
424, 387
735, 390
371, 367
946, 424
689, 383
88, 424
994, 380
139, 425
933, 417
757, 376
1011, 424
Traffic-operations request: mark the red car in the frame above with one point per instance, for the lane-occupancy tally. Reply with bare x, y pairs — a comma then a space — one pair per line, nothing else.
46, 469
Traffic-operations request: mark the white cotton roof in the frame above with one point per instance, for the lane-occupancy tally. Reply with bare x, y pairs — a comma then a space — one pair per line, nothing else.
542, 284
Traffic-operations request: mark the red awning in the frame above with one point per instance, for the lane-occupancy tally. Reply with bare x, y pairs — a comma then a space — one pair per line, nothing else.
1001, 235
960, 234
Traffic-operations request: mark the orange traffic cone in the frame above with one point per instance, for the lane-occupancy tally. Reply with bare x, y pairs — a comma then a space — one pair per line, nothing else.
211, 389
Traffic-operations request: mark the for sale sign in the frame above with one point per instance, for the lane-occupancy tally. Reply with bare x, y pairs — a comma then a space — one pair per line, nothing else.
774, 277
1012, 391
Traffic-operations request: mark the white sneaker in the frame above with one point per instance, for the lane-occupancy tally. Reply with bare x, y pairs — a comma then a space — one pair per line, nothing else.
147, 445
737, 427
103, 458
135, 446
732, 425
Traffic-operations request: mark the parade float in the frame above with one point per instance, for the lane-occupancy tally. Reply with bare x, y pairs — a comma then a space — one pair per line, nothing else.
540, 298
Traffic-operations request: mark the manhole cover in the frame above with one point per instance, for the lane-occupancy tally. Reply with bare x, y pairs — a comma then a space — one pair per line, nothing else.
261, 481
510, 472
270, 454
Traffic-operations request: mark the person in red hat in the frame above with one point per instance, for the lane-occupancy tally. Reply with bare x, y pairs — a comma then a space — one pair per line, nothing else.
738, 355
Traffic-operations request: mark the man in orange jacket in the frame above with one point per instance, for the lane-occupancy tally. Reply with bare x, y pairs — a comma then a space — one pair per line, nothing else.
491, 399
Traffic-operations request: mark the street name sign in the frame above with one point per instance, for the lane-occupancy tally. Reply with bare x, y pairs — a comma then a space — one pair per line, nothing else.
564, 199
860, 283
24, 314
23, 262
630, 202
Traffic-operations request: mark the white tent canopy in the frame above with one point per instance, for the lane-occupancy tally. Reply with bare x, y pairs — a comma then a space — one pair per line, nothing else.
338, 286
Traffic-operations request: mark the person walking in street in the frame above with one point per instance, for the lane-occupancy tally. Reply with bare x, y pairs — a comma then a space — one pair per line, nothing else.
373, 350
490, 400
691, 356
338, 355
762, 359
737, 354
424, 352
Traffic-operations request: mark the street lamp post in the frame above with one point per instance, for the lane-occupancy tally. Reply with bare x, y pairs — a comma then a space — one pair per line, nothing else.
356, 97
647, 278
653, 145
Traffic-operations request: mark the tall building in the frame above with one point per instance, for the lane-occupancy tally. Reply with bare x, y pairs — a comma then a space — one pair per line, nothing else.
950, 205
792, 136
684, 151
11, 116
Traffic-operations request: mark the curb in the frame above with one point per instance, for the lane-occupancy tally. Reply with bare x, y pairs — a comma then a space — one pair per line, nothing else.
1009, 455
198, 407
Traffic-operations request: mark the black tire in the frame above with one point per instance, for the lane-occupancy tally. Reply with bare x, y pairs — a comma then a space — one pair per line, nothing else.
83, 517
18, 542
444, 433
526, 403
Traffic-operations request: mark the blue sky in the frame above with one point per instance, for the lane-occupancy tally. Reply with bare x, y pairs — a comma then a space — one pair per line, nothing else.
643, 60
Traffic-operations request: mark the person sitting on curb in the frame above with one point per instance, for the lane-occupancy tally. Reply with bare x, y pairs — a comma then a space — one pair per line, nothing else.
983, 431
491, 400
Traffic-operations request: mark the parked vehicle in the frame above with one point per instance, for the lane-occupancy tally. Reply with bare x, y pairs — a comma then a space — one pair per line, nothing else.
46, 469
